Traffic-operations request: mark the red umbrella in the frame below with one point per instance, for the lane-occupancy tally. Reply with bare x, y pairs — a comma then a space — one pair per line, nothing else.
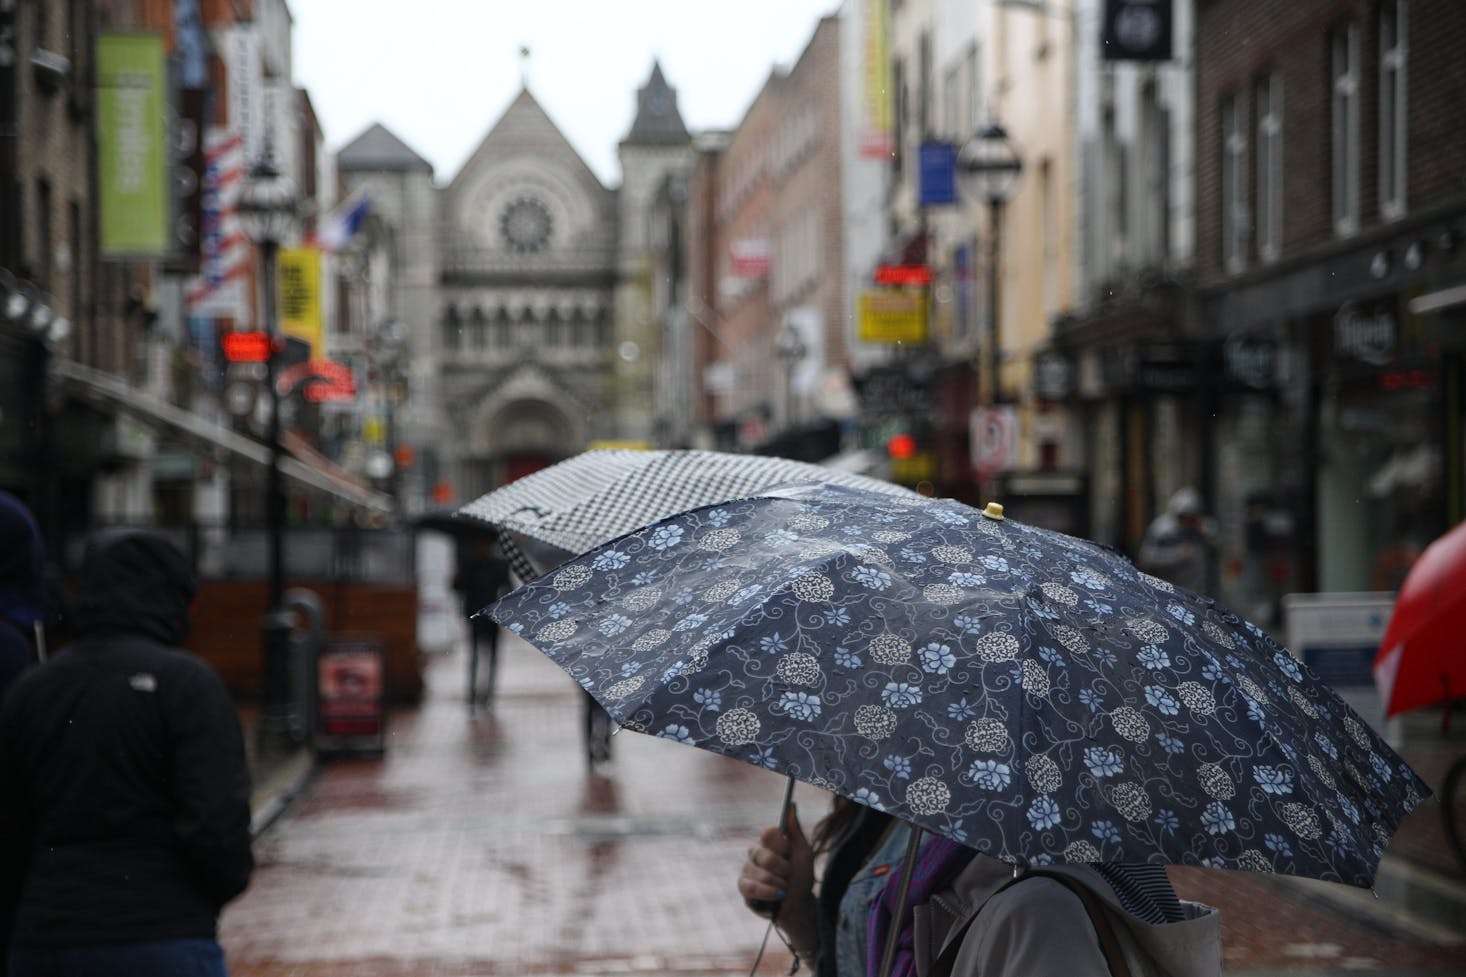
1422, 658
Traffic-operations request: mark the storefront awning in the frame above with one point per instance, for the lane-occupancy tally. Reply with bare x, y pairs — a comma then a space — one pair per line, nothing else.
110, 394
1439, 301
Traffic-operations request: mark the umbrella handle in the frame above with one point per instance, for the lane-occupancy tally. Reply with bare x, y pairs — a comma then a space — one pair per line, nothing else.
770, 907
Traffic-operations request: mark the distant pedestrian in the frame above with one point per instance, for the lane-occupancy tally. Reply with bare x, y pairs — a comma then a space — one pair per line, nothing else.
1178, 542
483, 576
22, 589
124, 791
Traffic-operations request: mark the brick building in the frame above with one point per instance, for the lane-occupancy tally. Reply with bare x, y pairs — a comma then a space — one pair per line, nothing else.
1331, 222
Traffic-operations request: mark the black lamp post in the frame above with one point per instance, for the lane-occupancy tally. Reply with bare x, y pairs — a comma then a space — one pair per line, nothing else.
990, 167
267, 211
789, 347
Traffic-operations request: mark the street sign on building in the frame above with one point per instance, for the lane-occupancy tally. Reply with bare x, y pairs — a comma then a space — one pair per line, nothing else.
938, 174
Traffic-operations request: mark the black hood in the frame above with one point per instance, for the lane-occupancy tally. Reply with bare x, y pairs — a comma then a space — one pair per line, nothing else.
135, 581
22, 564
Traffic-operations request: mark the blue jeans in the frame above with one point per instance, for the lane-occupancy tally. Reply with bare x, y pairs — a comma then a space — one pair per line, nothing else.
163, 958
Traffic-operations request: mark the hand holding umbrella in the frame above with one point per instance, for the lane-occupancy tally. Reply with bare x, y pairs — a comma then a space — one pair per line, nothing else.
778, 877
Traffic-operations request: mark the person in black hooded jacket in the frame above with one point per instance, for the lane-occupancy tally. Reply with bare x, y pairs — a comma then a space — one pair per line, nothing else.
124, 790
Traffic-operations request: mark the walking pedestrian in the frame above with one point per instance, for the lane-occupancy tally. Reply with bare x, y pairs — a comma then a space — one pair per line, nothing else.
981, 916
482, 577
124, 791
1177, 543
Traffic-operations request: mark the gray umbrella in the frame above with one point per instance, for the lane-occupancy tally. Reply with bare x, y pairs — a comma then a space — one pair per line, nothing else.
595, 496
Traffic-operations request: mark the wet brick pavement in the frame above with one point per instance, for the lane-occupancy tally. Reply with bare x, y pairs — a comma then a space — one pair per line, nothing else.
481, 846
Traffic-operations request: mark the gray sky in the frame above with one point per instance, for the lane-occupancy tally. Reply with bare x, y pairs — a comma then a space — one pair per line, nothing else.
439, 73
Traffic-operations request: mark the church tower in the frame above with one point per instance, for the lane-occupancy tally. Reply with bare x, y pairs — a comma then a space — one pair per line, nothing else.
657, 148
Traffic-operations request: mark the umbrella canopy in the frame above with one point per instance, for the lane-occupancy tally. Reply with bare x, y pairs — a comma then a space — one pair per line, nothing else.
1026, 693
598, 495
453, 523
1421, 660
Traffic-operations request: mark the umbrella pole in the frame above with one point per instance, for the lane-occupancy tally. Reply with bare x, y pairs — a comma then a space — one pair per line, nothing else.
888, 958
770, 907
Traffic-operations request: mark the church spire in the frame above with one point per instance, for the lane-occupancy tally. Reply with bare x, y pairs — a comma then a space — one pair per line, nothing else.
657, 120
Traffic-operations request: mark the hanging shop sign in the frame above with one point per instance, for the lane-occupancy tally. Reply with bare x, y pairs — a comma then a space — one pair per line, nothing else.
1053, 376
1138, 30
892, 315
903, 275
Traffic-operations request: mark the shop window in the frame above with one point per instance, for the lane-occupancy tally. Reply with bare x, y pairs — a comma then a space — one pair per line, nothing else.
1344, 44
1234, 185
1392, 108
1269, 101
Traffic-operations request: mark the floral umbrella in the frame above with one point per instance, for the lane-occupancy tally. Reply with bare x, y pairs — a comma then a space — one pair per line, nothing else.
1023, 692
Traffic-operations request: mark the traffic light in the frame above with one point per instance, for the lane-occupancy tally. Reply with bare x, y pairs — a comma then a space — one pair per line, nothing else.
901, 446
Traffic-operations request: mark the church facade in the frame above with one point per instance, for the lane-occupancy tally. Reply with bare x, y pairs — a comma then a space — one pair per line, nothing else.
520, 282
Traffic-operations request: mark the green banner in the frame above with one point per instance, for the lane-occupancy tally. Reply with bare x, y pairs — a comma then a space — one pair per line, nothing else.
132, 144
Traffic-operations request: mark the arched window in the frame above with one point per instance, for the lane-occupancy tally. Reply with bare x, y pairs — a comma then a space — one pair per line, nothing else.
452, 329
501, 328
480, 330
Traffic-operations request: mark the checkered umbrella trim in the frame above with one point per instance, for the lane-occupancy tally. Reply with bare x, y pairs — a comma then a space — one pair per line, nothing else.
595, 496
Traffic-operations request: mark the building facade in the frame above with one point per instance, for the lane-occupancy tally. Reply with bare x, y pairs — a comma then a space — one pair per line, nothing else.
1330, 219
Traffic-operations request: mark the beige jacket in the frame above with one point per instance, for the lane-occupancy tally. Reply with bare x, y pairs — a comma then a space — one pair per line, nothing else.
1005, 941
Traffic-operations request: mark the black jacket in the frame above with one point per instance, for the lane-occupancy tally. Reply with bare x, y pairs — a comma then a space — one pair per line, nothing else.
124, 792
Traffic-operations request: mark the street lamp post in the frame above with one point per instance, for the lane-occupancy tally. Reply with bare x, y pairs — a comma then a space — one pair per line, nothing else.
789, 347
267, 211
990, 167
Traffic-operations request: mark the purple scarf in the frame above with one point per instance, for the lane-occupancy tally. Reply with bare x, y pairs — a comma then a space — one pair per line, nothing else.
938, 862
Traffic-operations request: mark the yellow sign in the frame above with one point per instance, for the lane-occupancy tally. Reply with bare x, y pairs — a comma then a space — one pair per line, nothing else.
620, 444
299, 271
892, 315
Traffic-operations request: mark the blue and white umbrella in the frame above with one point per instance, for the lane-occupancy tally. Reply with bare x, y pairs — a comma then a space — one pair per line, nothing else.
1026, 693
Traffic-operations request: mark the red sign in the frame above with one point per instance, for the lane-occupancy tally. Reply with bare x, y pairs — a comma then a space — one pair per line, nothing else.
318, 381
246, 347
750, 258
351, 677
903, 275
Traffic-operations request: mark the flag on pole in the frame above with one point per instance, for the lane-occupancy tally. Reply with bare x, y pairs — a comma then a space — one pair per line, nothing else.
341, 225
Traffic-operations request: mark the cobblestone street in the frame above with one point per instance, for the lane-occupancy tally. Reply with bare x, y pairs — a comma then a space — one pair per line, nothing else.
481, 846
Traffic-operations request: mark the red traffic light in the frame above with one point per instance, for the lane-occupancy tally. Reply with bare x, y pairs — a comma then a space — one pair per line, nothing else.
901, 446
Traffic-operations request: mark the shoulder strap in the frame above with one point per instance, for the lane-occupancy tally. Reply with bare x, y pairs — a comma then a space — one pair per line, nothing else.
1108, 941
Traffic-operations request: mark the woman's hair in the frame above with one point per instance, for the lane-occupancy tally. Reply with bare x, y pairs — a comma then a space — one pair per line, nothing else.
830, 827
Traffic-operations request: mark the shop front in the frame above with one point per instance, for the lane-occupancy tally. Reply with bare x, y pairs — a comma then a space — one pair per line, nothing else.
1338, 423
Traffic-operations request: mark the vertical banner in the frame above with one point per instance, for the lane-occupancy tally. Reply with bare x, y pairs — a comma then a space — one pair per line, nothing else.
876, 138
300, 297
242, 55
132, 145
